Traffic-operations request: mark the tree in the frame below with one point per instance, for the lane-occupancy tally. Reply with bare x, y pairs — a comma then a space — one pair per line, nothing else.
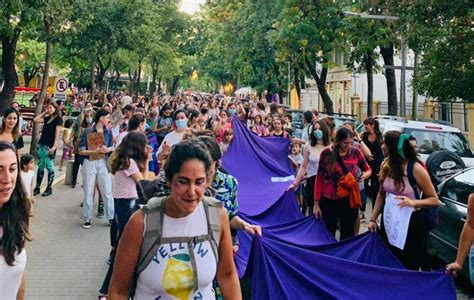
30, 54
53, 27
308, 32
441, 34
15, 15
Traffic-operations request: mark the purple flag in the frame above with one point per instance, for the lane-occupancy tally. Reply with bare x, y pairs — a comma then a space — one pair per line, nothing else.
297, 258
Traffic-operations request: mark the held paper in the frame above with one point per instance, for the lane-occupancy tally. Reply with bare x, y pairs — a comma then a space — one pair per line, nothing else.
396, 220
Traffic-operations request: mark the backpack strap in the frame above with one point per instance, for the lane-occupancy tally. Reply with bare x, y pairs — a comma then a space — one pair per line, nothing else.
154, 213
213, 213
411, 178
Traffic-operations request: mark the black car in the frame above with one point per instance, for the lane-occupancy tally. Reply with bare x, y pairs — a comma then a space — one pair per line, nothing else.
453, 194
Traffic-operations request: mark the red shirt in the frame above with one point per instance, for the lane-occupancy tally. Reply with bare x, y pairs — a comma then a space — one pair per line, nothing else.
330, 172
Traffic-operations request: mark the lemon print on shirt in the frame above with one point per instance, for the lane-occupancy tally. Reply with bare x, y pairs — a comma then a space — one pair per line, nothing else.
178, 278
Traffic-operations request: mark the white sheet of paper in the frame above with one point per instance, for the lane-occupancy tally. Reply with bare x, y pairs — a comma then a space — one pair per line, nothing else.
396, 220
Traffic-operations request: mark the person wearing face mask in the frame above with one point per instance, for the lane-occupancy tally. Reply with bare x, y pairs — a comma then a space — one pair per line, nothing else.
318, 140
180, 119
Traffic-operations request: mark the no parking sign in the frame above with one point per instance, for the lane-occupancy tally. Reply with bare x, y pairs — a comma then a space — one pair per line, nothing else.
60, 88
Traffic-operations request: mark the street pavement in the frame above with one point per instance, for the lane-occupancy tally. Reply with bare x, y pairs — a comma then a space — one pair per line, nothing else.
65, 261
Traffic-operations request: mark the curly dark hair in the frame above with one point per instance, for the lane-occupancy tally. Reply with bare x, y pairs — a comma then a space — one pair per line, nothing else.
14, 217
393, 165
133, 146
183, 152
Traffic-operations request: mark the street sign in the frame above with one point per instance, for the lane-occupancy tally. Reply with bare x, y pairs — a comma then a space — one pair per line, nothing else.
60, 89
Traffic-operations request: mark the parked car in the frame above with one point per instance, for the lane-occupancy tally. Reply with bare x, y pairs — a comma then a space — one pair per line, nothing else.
297, 123
453, 194
339, 120
430, 136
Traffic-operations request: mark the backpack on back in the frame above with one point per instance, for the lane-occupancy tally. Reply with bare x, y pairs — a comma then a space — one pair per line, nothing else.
152, 239
430, 214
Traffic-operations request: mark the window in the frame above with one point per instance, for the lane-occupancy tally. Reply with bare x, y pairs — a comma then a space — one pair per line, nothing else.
459, 187
430, 141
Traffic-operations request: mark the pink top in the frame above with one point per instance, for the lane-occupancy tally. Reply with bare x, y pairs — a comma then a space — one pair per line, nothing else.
389, 187
123, 186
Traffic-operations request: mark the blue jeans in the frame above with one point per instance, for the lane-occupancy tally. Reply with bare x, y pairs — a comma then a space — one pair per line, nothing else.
124, 209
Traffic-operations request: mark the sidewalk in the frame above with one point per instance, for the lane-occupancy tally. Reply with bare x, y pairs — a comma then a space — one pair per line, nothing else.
65, 261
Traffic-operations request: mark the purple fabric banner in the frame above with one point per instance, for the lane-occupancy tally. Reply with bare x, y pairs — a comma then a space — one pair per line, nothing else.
297, 258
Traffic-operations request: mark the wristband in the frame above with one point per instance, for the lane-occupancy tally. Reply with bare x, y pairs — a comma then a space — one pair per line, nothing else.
373, 221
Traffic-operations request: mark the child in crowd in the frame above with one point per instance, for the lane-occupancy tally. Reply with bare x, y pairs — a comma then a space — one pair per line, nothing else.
27, 164
296, 159
288, 120
151, 118
224, 144
259, 127
68, 146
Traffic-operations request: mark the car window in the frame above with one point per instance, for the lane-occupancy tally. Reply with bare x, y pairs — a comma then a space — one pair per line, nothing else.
459, 187
430, 141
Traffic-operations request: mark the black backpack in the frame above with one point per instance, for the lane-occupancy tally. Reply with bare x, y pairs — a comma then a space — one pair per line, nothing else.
430, 214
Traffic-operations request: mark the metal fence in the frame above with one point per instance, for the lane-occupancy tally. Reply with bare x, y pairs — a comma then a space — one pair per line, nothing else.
383, 109
452, 112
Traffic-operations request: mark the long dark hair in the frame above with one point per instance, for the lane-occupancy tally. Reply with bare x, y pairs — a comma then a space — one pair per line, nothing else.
375, 123
393, 165
16, 129
341, 134
133, 147
57, 111
14, 217
324, 128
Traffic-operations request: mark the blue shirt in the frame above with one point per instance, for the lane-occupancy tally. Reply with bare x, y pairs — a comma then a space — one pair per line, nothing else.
225, 186
108, 140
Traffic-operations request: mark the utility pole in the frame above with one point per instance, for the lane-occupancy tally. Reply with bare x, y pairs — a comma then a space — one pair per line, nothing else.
403, 99
288, 102
403, 67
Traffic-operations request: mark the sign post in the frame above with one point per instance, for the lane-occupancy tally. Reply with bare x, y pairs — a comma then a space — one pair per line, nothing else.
60, 89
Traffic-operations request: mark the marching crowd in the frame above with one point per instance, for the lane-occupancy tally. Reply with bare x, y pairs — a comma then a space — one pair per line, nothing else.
154, 164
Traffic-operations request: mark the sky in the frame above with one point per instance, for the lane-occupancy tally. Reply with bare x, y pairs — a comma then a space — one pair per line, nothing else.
190, 6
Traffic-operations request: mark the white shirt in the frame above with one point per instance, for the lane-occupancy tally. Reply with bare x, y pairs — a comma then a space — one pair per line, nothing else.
26, 179
10, 276
171, 139
169, 275
126, 100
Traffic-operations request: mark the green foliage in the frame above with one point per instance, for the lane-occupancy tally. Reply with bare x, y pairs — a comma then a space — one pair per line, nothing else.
442, 33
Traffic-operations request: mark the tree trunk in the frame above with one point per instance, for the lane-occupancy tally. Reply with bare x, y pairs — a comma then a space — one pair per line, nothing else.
137, 89
297, 83
101, 71
154, 74
92, 79
174, 85
28, 75
415, 92
42, 95
387, 54
159, 85
9, 73
368, 63
321, 83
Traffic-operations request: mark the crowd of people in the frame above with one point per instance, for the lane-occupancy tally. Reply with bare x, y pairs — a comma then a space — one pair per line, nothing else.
154, 164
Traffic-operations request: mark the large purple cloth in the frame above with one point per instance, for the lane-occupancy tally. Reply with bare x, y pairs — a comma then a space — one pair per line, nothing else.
297, 258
